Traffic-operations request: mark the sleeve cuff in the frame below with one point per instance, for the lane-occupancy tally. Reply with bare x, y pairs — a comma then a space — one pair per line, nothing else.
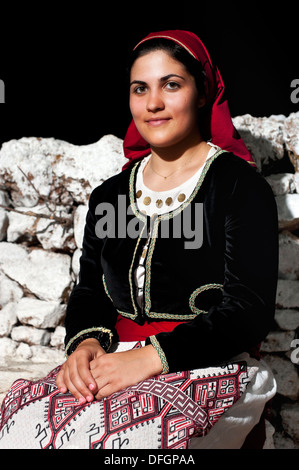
103, 335
155, 343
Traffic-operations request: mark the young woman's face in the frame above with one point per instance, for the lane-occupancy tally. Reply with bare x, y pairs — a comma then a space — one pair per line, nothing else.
164, 100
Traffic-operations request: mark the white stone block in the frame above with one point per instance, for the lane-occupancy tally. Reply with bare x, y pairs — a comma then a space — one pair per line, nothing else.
57, 338
287, 294
76, 262
44, 354
288, 256
290, 420
40, 313
45, 274
7, 349
287, 319
10, 291
79, 223
23, 352
286, 376
30, 335
288, 206
263, 136
291, 138
57, 170
282, 183
8, 318
278, 341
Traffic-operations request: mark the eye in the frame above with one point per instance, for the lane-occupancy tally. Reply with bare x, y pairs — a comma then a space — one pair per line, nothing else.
172, 86
139, 90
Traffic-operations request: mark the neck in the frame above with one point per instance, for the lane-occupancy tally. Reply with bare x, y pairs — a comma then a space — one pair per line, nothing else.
169, 167
164, 157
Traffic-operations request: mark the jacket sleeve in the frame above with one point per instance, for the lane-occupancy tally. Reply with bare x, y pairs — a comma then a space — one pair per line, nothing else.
245, 314
90, 312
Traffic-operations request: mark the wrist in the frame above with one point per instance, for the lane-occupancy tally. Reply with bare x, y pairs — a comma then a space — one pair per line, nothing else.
153, 359
152, 340
89, 342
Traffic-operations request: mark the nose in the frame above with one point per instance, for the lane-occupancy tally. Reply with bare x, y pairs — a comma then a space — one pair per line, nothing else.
154, 102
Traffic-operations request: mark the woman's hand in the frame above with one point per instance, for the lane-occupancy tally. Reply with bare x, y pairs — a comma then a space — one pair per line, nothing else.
116, 371
75, 374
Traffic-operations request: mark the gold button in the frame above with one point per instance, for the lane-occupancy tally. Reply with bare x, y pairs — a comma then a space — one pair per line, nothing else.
138, 194
147, 200
169, 201
181, 197
159, 203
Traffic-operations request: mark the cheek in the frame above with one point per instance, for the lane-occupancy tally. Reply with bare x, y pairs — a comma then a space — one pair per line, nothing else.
185, 102
186, 110
136, 107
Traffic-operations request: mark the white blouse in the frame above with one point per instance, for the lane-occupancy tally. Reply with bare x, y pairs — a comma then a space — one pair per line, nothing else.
160, 202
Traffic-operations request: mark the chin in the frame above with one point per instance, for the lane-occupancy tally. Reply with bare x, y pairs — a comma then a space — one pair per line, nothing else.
162, 141
162, 138
164, 144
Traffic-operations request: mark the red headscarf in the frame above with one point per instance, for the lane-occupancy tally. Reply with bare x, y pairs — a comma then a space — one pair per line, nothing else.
218, 122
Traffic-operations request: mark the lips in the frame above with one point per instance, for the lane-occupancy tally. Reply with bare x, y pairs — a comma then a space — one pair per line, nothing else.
156, 122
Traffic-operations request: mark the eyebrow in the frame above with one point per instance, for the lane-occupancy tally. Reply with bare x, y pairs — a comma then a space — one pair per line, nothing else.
162, 79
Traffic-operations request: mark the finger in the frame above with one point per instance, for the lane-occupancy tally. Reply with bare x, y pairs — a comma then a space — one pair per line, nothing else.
86, 376
101, 381
76, 386
60, 381
81, 377
71, 386
107, 390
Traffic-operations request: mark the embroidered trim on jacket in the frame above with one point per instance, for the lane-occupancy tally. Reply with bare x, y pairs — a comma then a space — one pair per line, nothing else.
131, 316
106, 288
131, 275
99, 329
198, 291
171, 316
156, 345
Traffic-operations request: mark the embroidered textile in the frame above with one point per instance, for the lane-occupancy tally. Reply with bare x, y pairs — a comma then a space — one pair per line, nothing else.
163, 412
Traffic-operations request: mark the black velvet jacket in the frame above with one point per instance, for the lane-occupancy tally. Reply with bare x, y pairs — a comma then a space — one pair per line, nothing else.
224, 289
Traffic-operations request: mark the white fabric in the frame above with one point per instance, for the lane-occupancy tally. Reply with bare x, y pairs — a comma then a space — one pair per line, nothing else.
233, 427
187, 187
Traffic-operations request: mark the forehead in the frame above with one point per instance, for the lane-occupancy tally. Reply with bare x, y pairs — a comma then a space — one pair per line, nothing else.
156, 64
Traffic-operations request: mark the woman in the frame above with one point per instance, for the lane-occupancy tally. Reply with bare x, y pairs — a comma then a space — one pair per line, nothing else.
181, 305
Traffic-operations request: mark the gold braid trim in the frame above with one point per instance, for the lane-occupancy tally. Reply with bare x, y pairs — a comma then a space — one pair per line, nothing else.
156, 345
100, 329
198, 291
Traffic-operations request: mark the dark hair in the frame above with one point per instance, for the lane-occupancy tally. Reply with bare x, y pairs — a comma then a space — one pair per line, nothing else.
175, 51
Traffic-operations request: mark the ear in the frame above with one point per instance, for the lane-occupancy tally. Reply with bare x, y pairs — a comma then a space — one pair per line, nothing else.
201, 101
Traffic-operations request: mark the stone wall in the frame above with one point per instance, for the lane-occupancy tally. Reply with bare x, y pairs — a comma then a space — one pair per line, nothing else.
44, 190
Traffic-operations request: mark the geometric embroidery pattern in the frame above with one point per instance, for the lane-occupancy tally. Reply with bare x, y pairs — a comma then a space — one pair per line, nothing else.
164, 412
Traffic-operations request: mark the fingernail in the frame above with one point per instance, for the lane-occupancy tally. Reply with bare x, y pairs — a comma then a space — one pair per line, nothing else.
81, 400
91, 386
89, 398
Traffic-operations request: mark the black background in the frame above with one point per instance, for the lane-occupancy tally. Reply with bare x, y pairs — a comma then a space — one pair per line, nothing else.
64, 66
